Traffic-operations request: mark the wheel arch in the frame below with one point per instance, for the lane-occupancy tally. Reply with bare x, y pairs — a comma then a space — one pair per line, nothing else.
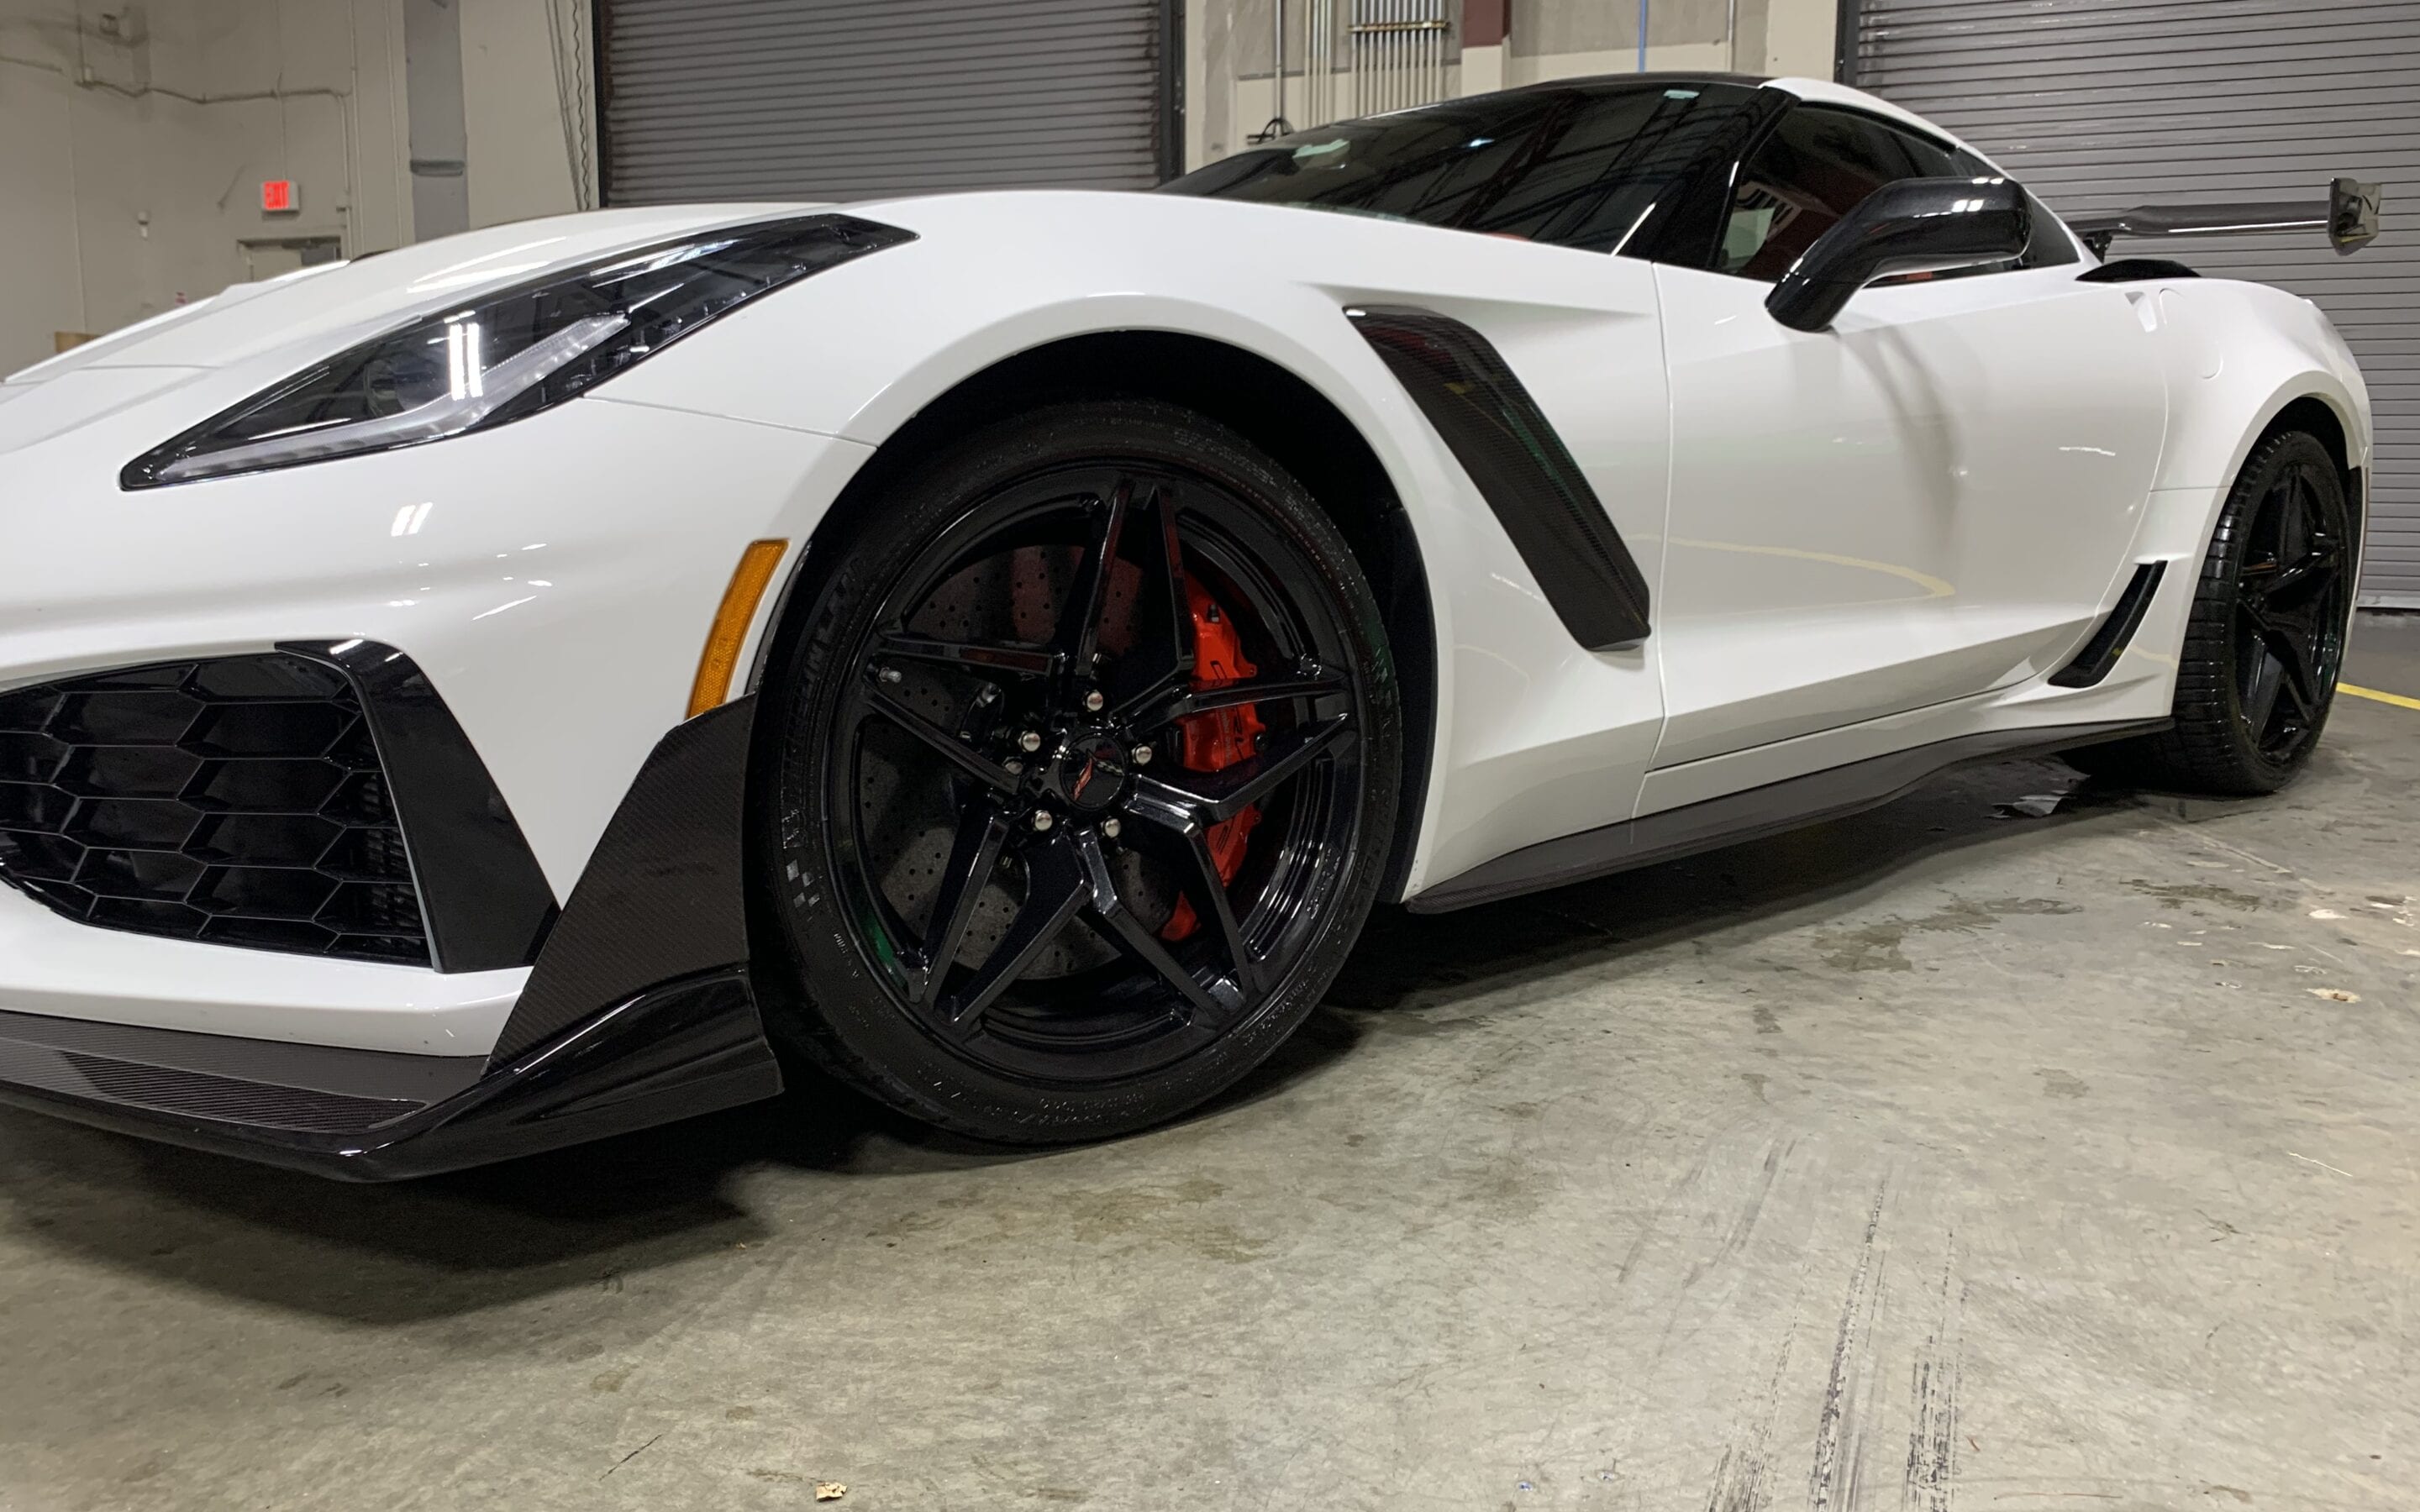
1269, 405
2313, 403
2315, 414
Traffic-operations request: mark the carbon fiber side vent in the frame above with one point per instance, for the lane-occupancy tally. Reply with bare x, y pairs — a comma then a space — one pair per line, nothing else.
1527, 476
2100, 653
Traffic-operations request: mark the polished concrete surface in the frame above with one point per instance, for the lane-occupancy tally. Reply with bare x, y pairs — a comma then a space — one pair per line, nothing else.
2017, 1146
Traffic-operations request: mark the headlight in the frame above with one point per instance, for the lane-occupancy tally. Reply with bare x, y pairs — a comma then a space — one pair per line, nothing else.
512, 354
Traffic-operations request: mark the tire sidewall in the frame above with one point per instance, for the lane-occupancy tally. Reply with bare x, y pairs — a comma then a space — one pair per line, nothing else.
2232, 541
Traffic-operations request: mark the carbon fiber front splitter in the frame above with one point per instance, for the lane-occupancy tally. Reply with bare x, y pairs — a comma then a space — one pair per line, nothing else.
681, 1048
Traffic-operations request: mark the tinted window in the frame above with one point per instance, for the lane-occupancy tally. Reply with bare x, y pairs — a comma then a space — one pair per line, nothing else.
1570, 167
1816, 167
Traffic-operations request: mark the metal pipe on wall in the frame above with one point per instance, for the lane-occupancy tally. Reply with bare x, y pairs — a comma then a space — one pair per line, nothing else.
1401, 52
1382, 45
1437, 61
1277, 66
1426, 44
1310, 112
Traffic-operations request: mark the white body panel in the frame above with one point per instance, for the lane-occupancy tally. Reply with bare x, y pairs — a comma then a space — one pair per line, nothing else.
60, 967
1928, 500
1799, 504
556, 590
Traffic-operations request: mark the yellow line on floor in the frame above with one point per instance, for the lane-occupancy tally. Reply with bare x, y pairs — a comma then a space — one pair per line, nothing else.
2395, 699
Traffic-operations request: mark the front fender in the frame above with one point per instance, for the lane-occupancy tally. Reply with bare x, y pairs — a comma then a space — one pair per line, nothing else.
860, 350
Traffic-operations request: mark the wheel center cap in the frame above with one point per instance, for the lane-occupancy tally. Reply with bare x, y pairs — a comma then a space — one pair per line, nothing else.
1089, 772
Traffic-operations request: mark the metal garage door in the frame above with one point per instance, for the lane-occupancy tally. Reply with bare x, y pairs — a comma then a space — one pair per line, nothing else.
852, 99
2101, 105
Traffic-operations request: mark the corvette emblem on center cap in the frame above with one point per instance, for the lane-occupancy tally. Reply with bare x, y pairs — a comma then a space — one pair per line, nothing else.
1088, 773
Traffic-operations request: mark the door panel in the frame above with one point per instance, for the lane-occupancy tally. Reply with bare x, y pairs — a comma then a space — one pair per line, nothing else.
1929, 501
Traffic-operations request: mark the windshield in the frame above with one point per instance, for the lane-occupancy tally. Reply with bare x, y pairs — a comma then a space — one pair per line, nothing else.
1574, 166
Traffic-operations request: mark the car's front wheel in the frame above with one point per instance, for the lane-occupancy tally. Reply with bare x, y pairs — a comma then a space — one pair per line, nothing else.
1087, 752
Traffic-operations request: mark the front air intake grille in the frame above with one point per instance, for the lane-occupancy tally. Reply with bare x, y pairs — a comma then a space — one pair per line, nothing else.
237, 800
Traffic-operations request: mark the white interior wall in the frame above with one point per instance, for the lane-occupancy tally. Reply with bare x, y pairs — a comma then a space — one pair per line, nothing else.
1802, 37
133, 140
134, 136
521, 158
1777, 39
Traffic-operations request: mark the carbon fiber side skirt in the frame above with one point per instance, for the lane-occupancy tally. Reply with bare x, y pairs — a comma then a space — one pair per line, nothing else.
1741, 816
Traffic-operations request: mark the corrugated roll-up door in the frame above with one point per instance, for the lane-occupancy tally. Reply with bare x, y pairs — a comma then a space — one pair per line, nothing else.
2103, 104
841, 100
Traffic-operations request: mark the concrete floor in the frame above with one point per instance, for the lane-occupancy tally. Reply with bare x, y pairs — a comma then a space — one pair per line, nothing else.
1948, 1155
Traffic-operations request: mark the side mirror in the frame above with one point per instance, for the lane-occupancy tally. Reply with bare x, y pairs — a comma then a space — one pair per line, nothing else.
1917, 225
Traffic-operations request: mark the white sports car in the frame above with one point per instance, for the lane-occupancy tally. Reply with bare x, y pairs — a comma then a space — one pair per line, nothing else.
1000, 647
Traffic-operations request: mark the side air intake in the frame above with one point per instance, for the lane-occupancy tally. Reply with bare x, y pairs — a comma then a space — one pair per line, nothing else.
2108, 643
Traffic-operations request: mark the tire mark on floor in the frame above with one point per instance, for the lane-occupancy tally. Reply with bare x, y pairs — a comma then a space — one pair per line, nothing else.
1744, 1476
1832, 1481
1933, 1442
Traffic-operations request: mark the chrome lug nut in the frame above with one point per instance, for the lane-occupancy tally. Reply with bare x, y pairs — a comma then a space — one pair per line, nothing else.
1042, 821
890, 674
1142, 755
1013, 767
1093, 700
1110, 826
1030, 741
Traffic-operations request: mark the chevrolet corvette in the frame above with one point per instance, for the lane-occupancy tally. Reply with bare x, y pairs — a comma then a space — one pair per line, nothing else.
998, 648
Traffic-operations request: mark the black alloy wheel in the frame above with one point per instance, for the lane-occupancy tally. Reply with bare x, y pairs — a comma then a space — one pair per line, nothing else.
2266, 639
2293, 591
1088, 772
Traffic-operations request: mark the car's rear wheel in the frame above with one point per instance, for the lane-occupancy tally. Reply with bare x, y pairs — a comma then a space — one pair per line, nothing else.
1087, 758
2258, 673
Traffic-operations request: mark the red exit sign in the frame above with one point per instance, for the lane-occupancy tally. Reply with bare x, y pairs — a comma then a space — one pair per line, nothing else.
277, 195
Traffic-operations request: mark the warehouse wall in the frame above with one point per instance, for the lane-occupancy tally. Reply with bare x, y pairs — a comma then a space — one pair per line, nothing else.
1229, 49
514, 106
133, 144
135, 137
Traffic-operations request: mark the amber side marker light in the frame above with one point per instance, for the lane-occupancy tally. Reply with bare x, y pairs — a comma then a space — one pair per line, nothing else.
748, 581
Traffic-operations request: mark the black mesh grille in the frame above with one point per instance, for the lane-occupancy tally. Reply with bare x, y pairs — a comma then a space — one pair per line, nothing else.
237, 800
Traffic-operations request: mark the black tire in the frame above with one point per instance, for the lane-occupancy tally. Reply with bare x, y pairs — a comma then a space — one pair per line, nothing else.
927, 701
2258, 672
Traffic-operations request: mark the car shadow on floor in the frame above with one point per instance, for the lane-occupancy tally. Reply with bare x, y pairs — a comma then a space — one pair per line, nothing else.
479, 1238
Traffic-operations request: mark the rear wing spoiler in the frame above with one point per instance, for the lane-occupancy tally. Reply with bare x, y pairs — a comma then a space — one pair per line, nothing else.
2350, 216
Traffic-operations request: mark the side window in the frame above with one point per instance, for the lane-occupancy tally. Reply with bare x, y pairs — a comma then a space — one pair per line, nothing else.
1433, 165
1580, 166
1608, 160
1816, 167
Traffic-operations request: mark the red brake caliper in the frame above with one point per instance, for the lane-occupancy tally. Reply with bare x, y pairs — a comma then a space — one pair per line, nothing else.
1216, 740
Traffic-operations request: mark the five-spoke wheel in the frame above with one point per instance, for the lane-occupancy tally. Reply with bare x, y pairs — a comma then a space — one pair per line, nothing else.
1089, 766
2290, 601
